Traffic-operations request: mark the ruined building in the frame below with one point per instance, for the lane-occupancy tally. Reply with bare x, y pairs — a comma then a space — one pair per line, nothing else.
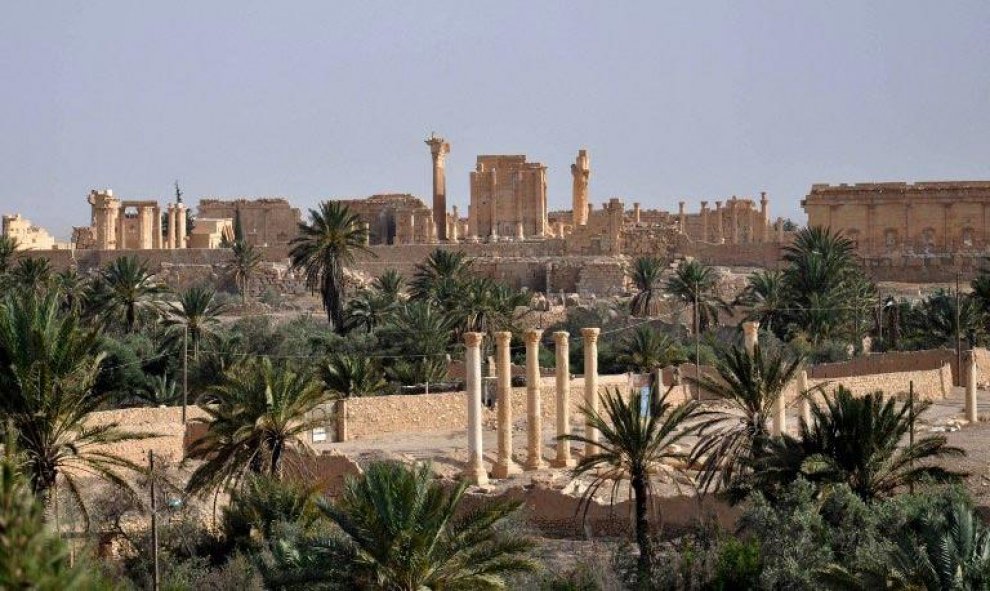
395, 219
508, 199
130, 225
262, 222
924, 218
29, 236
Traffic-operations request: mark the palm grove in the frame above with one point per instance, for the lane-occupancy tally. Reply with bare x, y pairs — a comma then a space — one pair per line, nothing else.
72, 344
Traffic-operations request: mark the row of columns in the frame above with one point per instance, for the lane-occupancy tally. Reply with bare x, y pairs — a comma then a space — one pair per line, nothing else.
505, 464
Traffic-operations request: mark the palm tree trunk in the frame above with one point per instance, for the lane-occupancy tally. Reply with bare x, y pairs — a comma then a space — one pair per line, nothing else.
340, 410
645, 562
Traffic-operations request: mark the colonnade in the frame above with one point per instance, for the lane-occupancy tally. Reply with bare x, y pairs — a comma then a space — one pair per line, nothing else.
505, 464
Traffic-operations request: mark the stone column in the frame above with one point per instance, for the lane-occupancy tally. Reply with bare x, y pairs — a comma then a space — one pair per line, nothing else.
563, 375
171, 225
121, 232
804, 406
581, 171
971, 408
681, 217
735, 220
780, 230
590, 336
534, 403
719, 230
504, 466
520, 233
180, 233
439, 148
704, 221
764, 217
455, 234
636, 213
474, 471
156, 224
751, 332
145, 236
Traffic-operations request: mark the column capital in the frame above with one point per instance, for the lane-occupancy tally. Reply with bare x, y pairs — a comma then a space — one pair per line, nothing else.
501, 338
473, 339
532, 335
560, 337
590, 334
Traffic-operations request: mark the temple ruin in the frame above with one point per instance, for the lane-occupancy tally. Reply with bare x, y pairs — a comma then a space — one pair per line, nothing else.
508, 199
924, 218
29, 236
261, 222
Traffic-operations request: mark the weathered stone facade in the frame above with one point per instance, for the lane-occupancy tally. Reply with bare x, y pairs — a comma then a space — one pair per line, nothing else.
116, 224
925, 218
395, 218
508, 199
29, 236
263, 222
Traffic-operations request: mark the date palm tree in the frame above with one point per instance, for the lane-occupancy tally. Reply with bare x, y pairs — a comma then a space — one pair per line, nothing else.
402, 530
8, 249
486, 306
439, 277
126, 287
695, 284
647, 350
857, 440
632, 447
258, 414
389, 285
646, 275
196, 314
48, 366
31, 273
731, 439
764, 298
244, 262
331, 239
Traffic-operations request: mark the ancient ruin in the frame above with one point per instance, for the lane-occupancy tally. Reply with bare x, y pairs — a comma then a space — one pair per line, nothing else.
508, 199
262, 222
29, 236
924, 218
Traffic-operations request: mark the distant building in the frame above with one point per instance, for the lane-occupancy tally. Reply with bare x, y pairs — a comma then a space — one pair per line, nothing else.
29, 236
261, 222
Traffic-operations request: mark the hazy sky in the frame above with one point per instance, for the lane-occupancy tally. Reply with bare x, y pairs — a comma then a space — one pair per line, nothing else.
679, 100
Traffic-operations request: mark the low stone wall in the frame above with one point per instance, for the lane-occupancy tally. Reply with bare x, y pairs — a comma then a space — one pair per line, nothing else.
380, 415
930, 384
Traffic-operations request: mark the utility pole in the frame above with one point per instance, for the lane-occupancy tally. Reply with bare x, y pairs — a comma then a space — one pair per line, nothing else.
155, 579
185, 372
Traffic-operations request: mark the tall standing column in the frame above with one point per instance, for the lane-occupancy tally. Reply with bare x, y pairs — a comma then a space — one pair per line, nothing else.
764, 217
590, 336
171, 226
581, 171
439, 148
681, 217
474, 472
563, 375
534, 403
121, 232
180, 233
805, 405
719, 226
504, 466
145, 236
735, 220
156, 224
704, 222
971, 414
454, 235
636, 213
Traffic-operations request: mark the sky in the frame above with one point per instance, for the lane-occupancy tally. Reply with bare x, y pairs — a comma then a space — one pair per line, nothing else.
313, 100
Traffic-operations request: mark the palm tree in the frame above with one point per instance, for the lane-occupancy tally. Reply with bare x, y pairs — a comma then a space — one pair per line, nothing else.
73, 288
32, 556
346, 377
389, 284
695, 283
402, 531
856, 440
486, 306
732, 439
48, 366
764, 297
938, 319
331, 239
258, 414
262, 504
196, 314
633, 445
159, 391
31, 273
8, 248
418, 328
647, 350
646, 275
824, 285
945, 551
244, 262
438, 278
126, 287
